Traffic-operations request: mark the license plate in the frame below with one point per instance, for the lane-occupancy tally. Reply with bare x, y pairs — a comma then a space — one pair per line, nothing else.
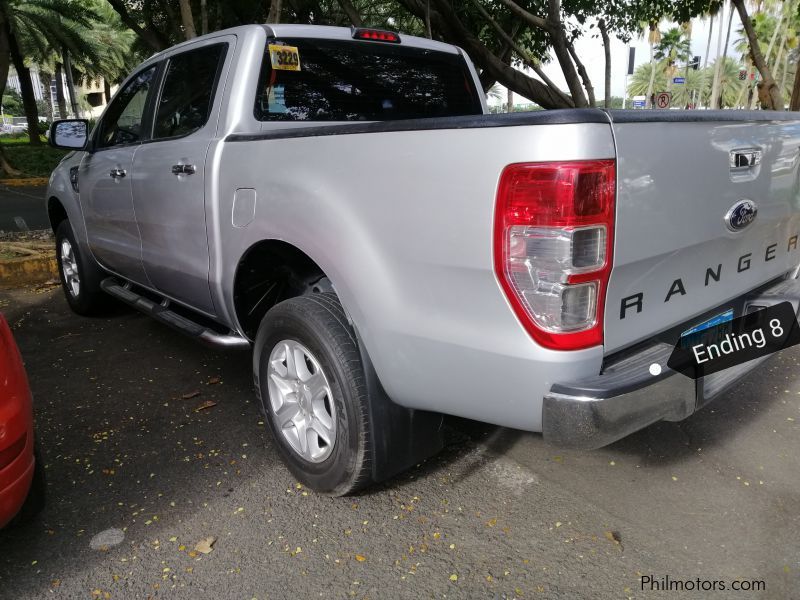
708, 332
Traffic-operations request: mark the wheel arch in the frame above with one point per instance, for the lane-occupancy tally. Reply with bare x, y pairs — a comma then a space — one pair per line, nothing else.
56, 212
268, 272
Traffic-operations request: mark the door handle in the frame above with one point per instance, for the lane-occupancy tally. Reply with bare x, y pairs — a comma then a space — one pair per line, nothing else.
183, 169
118, 173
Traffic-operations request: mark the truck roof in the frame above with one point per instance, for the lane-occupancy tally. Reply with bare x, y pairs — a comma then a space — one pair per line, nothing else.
308, 31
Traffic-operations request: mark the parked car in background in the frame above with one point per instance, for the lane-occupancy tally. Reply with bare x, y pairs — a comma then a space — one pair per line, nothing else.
21, 474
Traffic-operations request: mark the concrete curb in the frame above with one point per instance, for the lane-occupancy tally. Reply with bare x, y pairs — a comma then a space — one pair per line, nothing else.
24, 181
17, 272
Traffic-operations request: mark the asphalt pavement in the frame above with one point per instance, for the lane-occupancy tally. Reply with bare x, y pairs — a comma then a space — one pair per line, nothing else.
157, 444
22, 208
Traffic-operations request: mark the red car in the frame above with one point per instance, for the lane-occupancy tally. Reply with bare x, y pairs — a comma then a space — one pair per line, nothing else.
21, 479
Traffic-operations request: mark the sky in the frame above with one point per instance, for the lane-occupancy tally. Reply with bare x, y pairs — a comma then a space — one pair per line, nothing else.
590, 51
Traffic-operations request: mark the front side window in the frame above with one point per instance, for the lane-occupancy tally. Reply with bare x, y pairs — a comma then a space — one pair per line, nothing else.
365, 81
188, 91
122, 123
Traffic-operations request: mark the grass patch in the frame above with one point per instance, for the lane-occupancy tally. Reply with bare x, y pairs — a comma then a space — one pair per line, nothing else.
33, 161
18, 138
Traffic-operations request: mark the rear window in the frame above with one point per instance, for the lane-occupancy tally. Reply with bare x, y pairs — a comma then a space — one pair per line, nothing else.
365, 81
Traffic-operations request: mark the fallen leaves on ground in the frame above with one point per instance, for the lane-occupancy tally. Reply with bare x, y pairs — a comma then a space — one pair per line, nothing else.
190, 395
360, 557
613, 536
205, 546
205, 405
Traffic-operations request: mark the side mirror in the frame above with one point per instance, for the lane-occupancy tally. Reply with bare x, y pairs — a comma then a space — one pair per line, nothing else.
69, 134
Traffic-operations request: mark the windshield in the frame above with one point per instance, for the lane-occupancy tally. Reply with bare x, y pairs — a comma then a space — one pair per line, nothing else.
364, 81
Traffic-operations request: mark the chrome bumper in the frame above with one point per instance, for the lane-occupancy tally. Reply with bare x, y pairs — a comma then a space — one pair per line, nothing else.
626, 397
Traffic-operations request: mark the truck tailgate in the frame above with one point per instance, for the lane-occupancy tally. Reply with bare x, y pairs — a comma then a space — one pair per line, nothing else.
677, 252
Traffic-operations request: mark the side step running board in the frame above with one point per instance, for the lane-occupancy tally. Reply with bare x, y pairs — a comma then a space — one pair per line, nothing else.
162, 313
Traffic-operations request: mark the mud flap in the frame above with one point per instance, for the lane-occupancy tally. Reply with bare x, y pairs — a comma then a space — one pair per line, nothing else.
401, 437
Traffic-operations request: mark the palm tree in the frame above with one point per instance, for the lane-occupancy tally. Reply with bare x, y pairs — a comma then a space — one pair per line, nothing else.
715, 98
653, 38
672, 48
729, 86
34, 28
696, 83
112, 55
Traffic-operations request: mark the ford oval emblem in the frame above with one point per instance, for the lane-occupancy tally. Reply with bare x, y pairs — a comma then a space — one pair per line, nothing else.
741, 215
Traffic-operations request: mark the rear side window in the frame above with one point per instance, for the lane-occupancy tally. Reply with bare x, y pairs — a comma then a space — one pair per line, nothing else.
188, 91
365, 81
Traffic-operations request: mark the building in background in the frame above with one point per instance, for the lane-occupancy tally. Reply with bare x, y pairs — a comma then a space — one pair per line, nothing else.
90, 94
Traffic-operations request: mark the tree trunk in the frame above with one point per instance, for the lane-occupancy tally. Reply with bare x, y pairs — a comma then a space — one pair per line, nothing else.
47, 96
275, 7
714, 100
724, 59
203, 17
607, 51
4, 67
73, 96
26, 87
686, 69
106, 90
351, 12
558, 36
708, 43
428, 30
509, 101
187, 19
756, 93
61, 100
795, 102
772, 95
648, 100
153, 38
785, 74
450, 28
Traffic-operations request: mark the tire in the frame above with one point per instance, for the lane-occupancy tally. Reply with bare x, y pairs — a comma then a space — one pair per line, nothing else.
324, 400
34, 503
80, 275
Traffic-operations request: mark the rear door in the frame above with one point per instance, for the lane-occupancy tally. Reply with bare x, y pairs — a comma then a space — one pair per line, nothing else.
105, 178
686, 241
169, 181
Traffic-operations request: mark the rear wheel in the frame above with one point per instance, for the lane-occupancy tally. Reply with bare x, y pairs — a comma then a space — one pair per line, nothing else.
310, 381
80, 275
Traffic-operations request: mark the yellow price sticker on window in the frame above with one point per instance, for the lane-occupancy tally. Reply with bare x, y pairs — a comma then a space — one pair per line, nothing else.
284, 58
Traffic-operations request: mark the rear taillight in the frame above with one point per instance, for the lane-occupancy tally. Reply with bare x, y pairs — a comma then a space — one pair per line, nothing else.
553, 237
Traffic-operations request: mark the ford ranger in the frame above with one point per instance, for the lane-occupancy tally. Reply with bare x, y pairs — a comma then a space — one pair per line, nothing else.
339, 202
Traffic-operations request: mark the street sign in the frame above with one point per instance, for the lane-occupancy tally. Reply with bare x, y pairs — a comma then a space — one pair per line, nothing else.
663, 99
638, 103
679, 80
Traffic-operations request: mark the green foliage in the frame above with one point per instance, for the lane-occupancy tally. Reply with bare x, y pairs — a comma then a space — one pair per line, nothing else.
12, 103
35, 161
674, 46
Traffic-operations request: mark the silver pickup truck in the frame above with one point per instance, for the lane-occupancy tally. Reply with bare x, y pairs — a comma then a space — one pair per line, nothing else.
339, 201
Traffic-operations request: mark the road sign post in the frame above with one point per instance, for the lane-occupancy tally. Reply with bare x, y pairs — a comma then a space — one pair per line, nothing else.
663, 99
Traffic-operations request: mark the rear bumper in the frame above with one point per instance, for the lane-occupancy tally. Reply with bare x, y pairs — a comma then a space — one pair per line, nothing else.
627, 397
15, 482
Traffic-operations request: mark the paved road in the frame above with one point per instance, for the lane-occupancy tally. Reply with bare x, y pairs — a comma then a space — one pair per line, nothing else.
499, 514
26, 203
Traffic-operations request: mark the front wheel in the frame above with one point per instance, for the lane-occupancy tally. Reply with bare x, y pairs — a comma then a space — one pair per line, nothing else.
310, 380
80, 275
